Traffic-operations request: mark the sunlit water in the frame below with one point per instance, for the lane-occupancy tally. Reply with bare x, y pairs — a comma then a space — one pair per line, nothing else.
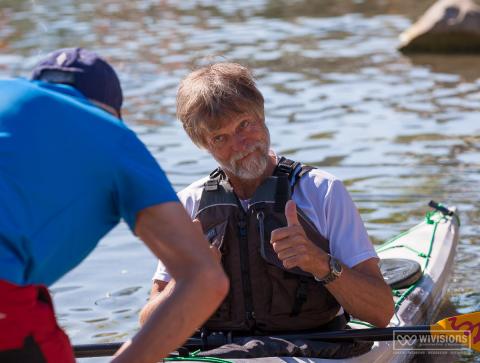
398, 130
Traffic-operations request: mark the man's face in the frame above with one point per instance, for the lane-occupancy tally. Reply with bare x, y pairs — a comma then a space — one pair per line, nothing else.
241, 146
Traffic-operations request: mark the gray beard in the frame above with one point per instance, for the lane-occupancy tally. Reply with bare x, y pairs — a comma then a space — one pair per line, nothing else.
251, 169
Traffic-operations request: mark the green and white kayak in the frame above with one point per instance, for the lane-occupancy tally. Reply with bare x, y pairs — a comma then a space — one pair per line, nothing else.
416, 264
432, 244
417, 294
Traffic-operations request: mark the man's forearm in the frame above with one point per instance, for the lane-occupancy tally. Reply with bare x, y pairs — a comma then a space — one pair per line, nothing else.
200, 283
363, 296
176, 314
160, 291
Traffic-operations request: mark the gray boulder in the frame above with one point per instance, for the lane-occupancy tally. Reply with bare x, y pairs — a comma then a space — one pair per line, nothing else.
448, 26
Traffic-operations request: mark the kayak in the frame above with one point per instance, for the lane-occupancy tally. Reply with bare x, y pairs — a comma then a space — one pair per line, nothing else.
419, 263
416, 264
432, 244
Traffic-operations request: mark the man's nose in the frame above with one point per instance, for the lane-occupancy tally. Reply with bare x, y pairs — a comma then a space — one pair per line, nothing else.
240, 143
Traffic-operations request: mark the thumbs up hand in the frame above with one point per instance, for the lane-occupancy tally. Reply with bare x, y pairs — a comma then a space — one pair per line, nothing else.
294, 248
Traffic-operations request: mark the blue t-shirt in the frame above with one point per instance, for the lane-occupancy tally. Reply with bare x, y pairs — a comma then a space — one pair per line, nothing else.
68, 173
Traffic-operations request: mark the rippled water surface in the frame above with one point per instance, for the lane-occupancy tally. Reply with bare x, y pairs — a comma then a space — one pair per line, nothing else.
398, 130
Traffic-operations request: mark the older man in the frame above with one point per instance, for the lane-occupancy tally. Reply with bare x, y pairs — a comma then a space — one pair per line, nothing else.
69, 170
294, 265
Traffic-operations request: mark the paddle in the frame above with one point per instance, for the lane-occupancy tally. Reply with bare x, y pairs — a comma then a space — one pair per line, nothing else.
463, 329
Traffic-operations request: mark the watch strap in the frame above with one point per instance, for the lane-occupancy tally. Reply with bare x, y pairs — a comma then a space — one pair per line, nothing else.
332, 275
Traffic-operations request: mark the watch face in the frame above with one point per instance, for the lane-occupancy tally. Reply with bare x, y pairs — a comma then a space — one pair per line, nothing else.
336, 267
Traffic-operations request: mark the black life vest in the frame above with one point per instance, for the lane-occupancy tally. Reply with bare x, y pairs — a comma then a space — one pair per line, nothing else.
264, 296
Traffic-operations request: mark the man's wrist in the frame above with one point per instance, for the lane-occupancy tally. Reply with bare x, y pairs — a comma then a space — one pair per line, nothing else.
334, 272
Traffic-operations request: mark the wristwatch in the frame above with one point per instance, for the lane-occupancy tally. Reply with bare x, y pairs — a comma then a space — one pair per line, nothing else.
335, 271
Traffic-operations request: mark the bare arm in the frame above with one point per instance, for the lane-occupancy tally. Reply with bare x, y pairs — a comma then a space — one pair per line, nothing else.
362, 291
160, 289
200, 284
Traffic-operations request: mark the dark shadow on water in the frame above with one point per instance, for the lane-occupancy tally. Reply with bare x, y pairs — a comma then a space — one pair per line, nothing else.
465, 66
285, 8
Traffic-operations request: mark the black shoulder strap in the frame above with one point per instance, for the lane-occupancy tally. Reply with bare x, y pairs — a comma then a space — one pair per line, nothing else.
288, 173
217, 173
293, 170
285, 167
216, 190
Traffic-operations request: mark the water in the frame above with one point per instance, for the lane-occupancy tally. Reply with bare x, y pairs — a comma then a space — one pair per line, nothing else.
398, 130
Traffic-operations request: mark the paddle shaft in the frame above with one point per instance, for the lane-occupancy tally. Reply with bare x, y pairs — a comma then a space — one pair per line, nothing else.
109, 349
374, 334
96, 350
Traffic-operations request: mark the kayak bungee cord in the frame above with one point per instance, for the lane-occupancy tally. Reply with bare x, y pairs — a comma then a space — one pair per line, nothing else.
426, 256
199, 359
193, 357
428, 220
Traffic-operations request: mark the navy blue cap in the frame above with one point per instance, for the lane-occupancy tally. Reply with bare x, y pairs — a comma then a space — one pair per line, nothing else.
85, 71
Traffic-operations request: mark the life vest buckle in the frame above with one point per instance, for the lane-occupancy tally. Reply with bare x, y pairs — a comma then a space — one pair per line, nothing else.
211, 185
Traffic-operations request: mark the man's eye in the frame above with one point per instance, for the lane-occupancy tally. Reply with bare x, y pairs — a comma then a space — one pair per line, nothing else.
245, 124
218, 139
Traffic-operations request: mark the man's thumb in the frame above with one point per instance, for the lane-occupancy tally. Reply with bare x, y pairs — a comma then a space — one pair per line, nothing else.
291, 214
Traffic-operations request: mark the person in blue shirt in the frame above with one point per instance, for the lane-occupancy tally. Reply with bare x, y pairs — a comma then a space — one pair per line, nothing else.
70, 170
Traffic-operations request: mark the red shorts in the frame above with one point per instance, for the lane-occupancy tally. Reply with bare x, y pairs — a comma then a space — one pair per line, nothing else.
28, 329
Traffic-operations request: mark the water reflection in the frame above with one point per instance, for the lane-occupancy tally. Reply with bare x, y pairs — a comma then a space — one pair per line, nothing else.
453, 66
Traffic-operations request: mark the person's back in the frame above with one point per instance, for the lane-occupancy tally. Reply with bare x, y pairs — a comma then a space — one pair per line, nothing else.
69, 171
67, 181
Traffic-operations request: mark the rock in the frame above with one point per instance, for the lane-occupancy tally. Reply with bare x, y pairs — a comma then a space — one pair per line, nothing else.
448, 26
